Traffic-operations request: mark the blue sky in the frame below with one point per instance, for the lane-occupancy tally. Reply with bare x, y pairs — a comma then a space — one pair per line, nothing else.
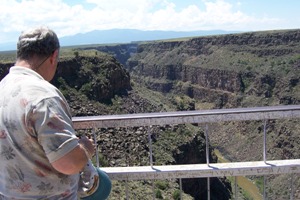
69, 17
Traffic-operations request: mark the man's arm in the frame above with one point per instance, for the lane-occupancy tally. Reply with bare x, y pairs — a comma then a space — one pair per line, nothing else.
53, 127
74, 161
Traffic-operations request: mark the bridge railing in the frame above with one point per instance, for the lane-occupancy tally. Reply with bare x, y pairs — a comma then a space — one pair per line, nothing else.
261, 167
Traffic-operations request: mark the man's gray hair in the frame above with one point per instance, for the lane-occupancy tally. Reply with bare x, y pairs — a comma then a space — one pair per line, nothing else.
40, 41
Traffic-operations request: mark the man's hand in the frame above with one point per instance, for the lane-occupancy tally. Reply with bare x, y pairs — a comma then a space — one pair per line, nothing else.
88, 145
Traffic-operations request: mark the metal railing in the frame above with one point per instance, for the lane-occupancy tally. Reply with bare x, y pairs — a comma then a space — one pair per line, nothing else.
208, 170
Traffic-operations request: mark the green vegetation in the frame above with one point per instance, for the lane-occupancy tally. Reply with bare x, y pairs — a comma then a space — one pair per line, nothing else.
176, 195
158, 194
162, 184
246, 195
259, 182
8, 56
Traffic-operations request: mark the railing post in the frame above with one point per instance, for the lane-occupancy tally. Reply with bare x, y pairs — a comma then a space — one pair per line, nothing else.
208, 188
150, 146
265, 141
180, 185
95, 142
265, 154
235, 188
207, 144
265, 183
292, 187
126, 188
207, 160
153, 190
151, 158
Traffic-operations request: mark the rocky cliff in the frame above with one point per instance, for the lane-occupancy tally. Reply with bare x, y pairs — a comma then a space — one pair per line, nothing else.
100, 78
260, 64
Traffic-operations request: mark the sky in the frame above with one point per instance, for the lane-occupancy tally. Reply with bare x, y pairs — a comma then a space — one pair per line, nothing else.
69, 17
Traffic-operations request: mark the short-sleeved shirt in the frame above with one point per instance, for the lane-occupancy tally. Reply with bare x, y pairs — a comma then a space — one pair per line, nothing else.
35, 130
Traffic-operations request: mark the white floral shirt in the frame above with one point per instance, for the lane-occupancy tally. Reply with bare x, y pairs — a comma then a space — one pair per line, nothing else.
35, 130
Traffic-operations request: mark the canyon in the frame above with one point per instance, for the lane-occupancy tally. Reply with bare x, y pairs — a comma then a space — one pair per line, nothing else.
212, 72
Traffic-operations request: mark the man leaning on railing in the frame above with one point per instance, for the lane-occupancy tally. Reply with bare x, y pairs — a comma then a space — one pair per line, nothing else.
41, 157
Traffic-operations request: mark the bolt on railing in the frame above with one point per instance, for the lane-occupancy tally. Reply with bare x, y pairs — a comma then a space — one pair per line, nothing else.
211, 169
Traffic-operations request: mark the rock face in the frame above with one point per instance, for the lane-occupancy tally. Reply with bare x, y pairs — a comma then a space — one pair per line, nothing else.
100, 78
223, 67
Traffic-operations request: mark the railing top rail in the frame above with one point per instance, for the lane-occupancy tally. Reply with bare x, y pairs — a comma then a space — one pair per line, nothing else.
182, 117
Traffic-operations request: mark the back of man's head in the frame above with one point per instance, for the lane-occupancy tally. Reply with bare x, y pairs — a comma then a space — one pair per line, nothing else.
40, 42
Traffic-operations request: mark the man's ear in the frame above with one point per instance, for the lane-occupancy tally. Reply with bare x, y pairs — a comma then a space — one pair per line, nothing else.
54, 56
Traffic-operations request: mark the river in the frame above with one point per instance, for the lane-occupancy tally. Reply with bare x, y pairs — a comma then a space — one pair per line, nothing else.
243, 182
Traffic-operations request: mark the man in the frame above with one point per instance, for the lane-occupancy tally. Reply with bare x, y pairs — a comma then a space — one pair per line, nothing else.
41, 157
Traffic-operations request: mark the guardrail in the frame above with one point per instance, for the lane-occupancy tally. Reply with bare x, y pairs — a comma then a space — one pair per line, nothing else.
263, 167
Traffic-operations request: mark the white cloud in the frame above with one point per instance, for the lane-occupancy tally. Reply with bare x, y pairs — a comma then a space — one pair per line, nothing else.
138, 14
